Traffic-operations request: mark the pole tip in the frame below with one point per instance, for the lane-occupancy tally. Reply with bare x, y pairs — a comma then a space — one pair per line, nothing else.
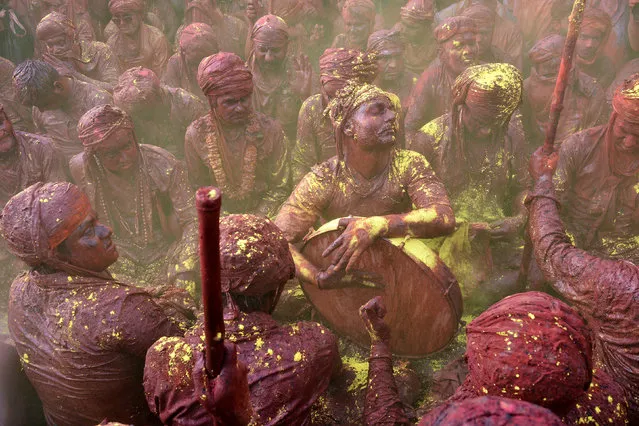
208, 197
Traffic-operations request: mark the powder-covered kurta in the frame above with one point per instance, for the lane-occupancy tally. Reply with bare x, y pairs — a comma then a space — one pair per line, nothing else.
152, 50
171, 248
289, 368
82, 342
332, 190
598, 206
98, 62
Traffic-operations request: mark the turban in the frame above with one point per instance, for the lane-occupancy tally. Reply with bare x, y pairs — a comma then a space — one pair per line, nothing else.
384, 39
490, 410
364, 8
254, 255
200, 36
37, 220
497, 88
99, 122
348, 64
270, 25
292, 11
453, 26
417, 12
346, 102
597, 19
137, 87
530, 346
483, 16
547, 48
224, 73
126, 6
53, 25
625, 101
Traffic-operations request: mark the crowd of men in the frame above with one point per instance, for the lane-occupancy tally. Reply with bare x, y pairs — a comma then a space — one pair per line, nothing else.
418, 118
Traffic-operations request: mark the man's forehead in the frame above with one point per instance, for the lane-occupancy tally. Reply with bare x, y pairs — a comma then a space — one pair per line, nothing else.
391, 51
465, 37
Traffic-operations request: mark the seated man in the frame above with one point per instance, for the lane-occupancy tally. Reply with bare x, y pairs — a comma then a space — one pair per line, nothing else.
135, 43
142, 192
596, 180
196, 42
488, 50
478, 151
359, 23
416, 28
82, 20
387, 47
239, 150
584, 104
289, 366
161, 114
431, 96
58, 102
281, 80
81, 336
394, 190
315, 136
591, 59
603, 291
88, 61
231, 32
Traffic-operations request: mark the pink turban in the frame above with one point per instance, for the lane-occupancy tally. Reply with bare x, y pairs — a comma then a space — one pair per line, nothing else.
224, 73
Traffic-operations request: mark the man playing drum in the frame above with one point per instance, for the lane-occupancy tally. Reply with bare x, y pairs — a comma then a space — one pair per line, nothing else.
394, 191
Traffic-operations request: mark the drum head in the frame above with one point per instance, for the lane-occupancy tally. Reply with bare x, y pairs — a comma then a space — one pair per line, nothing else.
422, 297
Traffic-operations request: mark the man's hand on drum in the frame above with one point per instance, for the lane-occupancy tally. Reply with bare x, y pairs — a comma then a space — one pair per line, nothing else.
373, 313
359, 235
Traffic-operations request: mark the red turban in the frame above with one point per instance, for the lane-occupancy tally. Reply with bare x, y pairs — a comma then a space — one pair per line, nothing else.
53, 25
224, 73
255, 258
453, 26
364, 8
625, 101
598, 20
490, 410
384, 39
270, 26
348, 64
200, 36
126, 6
137, 88
417, 12
530, 346
37, 220
547, 48
483, 16
99, 122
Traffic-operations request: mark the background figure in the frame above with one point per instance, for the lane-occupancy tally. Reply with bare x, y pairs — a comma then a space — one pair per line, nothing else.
416, 28
591, 59
18, 114
359, 23
196, 42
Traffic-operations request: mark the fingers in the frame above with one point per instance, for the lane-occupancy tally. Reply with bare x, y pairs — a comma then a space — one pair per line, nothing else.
346, 256
338, 242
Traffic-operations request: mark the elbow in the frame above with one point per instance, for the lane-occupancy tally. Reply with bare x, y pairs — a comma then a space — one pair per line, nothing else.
447, 221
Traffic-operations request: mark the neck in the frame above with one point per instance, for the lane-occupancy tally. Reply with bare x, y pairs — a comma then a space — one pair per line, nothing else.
368, 163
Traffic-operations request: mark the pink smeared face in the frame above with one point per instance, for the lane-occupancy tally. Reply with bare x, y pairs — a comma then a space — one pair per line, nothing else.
118, 153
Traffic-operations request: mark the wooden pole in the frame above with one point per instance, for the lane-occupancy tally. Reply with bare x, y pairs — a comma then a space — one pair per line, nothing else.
563, 78
209, 202
556, 106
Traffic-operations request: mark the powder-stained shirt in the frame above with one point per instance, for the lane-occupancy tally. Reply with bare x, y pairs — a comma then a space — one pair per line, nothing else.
98, 62
332, 190
152, 51
598, 206
61, 124
82, 343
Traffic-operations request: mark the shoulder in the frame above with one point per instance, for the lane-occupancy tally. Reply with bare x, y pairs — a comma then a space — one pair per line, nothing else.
94, 94
587, 85
174, 61
76, 166
153, 33
184, 102
434, 131
582, 143
312, 105
407, 161
157, 156
34, 143
268, 125
200, 125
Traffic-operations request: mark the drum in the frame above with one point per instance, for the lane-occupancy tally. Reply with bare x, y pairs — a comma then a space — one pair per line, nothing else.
422, 297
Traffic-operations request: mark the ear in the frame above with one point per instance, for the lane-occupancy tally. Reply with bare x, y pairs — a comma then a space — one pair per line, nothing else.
349, 129
58, 87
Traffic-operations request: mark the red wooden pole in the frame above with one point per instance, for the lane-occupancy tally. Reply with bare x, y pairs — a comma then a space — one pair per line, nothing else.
557, 103
209, 202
